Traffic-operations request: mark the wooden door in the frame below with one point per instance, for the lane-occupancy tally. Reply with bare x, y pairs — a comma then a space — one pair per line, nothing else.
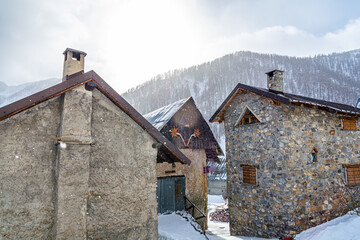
170, 194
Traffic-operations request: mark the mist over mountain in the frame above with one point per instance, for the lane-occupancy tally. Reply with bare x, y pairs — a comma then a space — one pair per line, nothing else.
334, 77
9, 94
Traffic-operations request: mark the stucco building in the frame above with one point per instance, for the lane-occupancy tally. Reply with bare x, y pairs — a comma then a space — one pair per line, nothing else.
183, 124
78, 162
292, 162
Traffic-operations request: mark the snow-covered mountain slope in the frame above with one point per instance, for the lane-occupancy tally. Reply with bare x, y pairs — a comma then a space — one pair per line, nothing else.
334, 77
9, 94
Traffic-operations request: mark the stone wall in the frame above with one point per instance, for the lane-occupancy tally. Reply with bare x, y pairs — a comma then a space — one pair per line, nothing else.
101, 185
292, 192
196, 182
27, 169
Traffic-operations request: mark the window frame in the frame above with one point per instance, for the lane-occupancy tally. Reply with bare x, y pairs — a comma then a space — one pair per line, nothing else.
347, 122
250, 167
352, 166
243, 114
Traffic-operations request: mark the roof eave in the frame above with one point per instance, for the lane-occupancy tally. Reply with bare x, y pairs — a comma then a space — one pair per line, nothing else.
78, 80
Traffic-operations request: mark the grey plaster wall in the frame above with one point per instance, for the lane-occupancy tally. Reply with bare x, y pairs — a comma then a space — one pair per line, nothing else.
292, 192
102, 185
72, 173
122, 184
216, 187
27, 168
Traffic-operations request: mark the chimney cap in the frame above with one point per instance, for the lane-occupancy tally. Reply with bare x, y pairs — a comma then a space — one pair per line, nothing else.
275, 70
74, 50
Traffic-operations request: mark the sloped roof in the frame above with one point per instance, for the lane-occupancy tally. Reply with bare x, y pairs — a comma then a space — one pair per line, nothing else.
159, 117
284, 98
217, 170
91, 78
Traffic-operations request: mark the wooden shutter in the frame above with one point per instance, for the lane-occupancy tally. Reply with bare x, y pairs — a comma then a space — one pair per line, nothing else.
353, 174
249, 174
349, 123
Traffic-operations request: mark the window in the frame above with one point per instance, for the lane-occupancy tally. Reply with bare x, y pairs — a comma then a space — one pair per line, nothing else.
349, 123
249, 173
248, 118
352, 173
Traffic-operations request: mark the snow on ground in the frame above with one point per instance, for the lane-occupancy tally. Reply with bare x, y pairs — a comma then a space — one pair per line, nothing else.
346, 227
174, 226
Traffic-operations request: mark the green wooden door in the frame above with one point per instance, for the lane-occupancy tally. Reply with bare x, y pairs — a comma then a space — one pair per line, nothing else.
170, 194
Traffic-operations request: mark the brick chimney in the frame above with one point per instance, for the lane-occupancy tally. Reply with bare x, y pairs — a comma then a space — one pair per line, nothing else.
74, 62
275, 81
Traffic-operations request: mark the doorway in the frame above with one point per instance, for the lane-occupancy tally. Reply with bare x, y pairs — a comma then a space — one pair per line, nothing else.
170, 194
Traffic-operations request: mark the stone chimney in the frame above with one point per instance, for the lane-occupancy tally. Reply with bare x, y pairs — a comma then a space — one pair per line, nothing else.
275, 81
74, 62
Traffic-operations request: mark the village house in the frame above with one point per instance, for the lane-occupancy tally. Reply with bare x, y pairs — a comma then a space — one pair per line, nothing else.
78, 162
293, 162
183, 124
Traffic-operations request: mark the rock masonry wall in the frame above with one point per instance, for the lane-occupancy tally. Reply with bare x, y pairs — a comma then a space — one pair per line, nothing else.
293, 193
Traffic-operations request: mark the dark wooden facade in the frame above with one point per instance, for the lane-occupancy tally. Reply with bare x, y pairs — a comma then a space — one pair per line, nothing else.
188, 129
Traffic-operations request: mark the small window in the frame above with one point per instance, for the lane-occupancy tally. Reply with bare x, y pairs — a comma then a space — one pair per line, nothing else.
76, 56
352, 174
349, 123
314, 155
249, 174
248, 118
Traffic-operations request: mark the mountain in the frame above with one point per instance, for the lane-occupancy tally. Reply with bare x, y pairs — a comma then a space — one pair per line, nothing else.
9, 94
334, 77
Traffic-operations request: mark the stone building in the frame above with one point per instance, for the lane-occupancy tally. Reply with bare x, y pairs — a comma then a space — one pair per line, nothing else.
292, 162
183, 124
78, 162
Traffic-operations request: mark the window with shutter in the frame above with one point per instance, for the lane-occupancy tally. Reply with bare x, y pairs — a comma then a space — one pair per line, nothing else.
352, 173
349, 123
249, 173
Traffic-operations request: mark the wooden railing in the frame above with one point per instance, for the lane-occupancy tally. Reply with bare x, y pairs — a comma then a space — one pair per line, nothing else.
191, 209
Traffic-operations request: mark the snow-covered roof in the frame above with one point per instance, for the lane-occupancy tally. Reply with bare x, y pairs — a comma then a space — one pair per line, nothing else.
217, 170
161, 116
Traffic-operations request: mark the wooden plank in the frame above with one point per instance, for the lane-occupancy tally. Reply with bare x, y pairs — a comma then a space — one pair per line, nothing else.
351, 165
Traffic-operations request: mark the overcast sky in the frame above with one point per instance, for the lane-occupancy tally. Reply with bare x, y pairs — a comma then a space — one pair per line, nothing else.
128, 42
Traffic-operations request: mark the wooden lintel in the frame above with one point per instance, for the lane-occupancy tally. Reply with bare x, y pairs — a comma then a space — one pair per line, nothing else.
249, 165
351, 165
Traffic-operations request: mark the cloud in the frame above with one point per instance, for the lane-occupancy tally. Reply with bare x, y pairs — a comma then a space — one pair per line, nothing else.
289, 40
128, 42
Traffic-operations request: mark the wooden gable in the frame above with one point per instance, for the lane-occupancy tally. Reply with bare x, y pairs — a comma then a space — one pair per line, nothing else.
247, 117
188, 129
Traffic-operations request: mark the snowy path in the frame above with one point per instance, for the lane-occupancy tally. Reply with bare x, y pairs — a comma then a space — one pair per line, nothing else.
175, 227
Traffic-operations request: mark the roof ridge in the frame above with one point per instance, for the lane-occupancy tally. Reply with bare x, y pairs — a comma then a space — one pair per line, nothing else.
165, 113
284, 98
91, 76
